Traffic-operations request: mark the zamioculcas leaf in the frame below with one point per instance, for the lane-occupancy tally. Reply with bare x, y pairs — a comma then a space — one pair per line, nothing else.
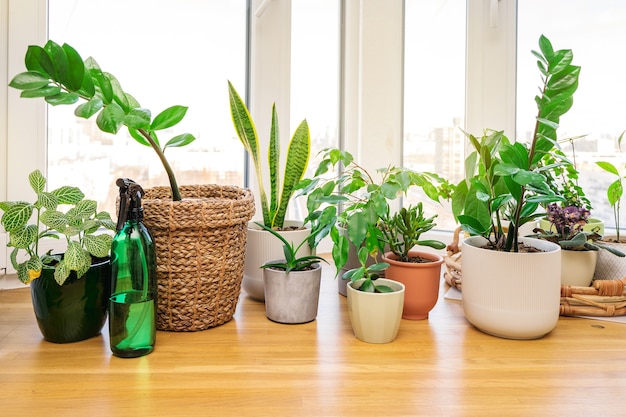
134, 133
168, 117
138, 119
38, 60
89, 108
59, 60
62, 98
180, 140
29, 81
118, 94
75, 70
49, 90
111, 118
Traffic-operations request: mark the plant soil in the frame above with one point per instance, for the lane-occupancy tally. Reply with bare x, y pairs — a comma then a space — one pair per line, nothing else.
521, 248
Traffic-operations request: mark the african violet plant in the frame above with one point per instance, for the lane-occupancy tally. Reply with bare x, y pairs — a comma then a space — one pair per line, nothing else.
566, 230
504, 180
61, 76
78, 225
363, 198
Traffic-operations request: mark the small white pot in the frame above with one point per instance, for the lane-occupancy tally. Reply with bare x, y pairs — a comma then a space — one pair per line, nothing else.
512, 295
261, 247
375, 317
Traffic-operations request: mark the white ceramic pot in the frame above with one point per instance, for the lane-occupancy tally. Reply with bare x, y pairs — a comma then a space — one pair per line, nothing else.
512, 295
610, 266
293, 297
577, 267
261, 247
375, 317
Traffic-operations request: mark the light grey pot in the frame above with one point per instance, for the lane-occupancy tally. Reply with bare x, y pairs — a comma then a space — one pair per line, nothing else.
292, 298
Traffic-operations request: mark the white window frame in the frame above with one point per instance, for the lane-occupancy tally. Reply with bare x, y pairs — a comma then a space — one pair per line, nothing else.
371, 84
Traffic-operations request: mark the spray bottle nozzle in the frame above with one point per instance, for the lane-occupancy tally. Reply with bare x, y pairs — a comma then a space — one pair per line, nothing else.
130, 201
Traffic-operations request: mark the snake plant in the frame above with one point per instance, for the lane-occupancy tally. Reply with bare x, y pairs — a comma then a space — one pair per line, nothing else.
275, 209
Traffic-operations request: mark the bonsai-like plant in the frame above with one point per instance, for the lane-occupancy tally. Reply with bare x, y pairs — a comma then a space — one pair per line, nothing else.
402, 231
369, 274
363, 198
291, 262
614, 192
275, 209
504, 180
78, 224
59, 75
566, 230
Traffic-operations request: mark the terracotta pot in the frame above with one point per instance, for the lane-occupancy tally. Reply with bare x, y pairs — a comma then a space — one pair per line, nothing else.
512, 295
375, 317
577, 267
421, 281
293, 297
261, 247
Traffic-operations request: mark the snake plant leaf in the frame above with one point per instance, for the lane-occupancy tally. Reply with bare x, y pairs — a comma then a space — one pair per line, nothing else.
274, 163
111, 118
295, 166
168, 117
68, 195
89, 108
75, 68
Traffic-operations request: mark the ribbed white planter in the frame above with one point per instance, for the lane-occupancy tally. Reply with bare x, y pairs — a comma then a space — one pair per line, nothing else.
261, 247
512, 295
376, 317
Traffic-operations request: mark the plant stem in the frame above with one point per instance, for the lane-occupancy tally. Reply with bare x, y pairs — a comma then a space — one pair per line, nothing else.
168, 169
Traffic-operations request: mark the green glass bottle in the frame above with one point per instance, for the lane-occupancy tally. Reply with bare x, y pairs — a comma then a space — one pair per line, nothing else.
132, 306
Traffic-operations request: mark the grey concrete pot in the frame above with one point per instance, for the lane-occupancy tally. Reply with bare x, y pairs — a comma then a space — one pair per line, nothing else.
292, 298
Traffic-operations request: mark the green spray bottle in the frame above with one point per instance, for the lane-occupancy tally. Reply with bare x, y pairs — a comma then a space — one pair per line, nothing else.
132, 306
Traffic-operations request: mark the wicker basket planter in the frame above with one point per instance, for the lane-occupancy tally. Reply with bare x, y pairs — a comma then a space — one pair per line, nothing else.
200, 250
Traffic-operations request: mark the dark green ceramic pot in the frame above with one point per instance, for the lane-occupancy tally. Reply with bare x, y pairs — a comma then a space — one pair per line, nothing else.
76, 310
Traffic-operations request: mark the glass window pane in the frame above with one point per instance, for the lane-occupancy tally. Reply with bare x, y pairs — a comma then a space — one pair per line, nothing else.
164, 53
595, 32
434, 93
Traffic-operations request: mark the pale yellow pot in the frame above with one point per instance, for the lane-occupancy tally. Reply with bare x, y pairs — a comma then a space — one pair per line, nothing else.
376, 317
261, 247
577, 267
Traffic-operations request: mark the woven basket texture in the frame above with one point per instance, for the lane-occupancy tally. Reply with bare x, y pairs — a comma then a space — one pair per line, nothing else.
200, 250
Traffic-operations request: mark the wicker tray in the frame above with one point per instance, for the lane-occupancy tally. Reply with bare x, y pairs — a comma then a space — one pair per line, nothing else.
604, 298
200, 251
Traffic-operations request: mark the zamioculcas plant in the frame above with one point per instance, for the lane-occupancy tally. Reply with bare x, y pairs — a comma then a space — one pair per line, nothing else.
504, 180
59, 75
275, 209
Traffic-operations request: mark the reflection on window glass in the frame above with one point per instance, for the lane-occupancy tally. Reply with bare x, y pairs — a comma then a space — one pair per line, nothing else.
595, 32
434, 93
163, 53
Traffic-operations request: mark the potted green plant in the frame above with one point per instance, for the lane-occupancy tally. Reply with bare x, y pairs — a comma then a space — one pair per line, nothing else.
579, 248
502, 191
419, 271
292, 284
609, 267
375, 304
349, 206
70, 291
181, 218
262, 247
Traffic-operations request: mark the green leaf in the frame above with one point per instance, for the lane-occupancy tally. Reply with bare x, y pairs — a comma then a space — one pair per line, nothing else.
168, 117
98, 245
89, 108
607, 166
85, 209
75, 69
49, 90
61, 272
138, 118
29, 80
367, 286
111, 118
17, 216
180, 140
68, 195
23, 237
546, 48
119, 96
38, 60
47, 200
62, 98
59, 61
37, 181
134, 133
54, 219
614, 192
101, 83
76, 257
